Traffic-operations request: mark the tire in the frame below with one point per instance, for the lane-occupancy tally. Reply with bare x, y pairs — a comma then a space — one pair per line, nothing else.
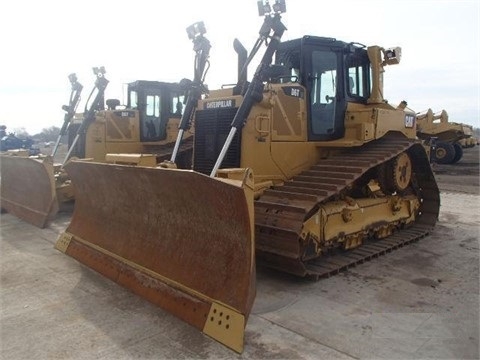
444, 153
458, 153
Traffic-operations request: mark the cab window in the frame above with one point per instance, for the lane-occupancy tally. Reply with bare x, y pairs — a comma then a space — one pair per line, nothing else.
133, 100
323, 91
153, 105
358, 76
177, 105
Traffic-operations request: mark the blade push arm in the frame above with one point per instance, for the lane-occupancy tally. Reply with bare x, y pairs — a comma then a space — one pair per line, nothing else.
91, 106
254, 93
201, 46
69, 109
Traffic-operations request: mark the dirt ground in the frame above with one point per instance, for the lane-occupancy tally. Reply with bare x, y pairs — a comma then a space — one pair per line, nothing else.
462, 176
417, 302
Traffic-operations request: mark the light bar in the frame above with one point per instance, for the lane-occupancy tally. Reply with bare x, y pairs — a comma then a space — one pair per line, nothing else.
99, 70
195, 30
72, 78
264, 7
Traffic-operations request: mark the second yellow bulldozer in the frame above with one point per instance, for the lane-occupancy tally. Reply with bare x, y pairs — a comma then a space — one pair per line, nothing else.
142, 132
34, 188
304, 168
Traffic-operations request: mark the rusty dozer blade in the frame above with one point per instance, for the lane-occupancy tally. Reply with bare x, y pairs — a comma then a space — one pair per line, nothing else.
28, 188
180, 239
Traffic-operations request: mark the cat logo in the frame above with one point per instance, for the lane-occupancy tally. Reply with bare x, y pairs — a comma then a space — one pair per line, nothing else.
409, 120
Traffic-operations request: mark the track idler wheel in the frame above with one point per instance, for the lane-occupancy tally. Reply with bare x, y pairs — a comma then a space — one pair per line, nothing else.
402, 171
396, 174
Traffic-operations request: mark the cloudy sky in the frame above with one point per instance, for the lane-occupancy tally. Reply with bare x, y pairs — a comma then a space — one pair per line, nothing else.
44, 41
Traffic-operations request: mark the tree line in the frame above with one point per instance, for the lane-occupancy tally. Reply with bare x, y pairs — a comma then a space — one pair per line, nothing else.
46, 135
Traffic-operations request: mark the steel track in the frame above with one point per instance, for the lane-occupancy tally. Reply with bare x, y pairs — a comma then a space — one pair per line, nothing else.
281, 211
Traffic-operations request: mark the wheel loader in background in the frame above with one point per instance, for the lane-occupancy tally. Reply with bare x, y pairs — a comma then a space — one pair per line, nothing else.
305, 168
448, 135
143, 132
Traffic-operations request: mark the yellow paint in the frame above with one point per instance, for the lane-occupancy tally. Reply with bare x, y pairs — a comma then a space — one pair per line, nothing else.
226, 326
63, 242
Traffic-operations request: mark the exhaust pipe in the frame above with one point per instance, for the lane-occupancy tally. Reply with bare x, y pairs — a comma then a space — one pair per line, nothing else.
242, 60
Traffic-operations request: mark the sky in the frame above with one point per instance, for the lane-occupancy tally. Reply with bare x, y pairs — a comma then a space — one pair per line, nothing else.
45, 41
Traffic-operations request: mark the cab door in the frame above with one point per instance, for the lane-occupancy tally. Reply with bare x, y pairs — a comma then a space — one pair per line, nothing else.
326, 102
152, 128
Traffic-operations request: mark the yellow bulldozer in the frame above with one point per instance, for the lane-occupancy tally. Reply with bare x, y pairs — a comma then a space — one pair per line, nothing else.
143, 132
34, 188
29, 188
305, 168
447, 135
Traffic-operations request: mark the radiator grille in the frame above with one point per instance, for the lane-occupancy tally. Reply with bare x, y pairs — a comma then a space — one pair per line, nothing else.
211, 130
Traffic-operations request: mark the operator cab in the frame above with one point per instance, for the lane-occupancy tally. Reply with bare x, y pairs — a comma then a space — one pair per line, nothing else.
333, 73
156, 102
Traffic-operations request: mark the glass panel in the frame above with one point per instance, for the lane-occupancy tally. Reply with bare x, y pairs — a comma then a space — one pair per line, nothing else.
151, 128
291, 61
328, 86
153, 105
151, 121
358, 75
177, 105
323, 92
356, 81
133, 99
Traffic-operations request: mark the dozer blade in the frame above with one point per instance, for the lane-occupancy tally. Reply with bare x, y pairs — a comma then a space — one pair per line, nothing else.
180, 239
28, 188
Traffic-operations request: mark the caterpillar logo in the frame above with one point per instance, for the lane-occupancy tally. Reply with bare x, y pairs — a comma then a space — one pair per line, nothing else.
229, 103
